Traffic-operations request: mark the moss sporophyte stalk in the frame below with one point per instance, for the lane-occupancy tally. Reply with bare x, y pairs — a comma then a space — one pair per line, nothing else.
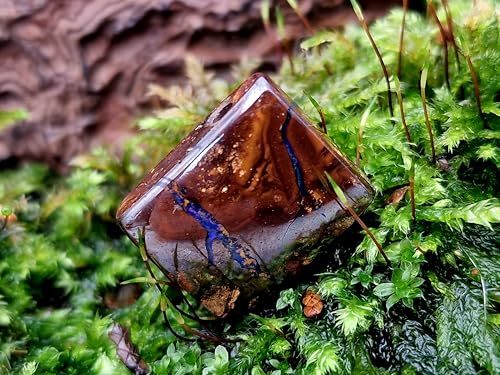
70, 279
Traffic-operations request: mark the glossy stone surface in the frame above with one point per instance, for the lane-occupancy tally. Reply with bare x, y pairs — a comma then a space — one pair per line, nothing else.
243, 201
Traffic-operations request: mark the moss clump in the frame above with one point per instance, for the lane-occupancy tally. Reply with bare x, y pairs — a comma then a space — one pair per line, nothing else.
434, 311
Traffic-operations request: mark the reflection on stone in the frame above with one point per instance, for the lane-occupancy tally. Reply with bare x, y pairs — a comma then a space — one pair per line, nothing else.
243, 201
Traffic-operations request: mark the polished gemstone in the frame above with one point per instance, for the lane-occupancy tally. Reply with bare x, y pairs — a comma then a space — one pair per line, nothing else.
244, 200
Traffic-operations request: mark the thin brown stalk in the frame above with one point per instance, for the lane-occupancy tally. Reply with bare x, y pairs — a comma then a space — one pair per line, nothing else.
368, 232
328, 68
289, 55
320, 112
18, 352
212, 338
359, 140
342, 200
401, 38
364, 25
477, 92
285, 44
278, 331
323, 122
171, 329
423, 82
384, 68
165, 317
145, 260
451, 36
265, 9
402, 112
412, 191
444, 37
358, 147
483, 287
296, 8
304, 20
158, 285
410, 142
446, 65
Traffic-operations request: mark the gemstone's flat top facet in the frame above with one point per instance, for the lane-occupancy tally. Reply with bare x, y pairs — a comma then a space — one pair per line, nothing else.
232, 208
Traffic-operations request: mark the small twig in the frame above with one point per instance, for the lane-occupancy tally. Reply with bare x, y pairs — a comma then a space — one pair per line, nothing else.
423, 82
364, 25
126, 351
18, 352
401, 38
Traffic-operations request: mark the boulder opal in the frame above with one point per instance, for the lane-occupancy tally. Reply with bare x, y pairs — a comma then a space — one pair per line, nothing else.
243, 201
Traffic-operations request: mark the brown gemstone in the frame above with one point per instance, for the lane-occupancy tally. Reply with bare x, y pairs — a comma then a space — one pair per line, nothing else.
242, 197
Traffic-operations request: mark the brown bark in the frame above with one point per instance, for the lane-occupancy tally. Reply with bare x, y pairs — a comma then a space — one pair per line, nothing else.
81, 67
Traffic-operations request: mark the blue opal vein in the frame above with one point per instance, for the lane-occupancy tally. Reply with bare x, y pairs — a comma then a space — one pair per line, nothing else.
291, 154
215, 232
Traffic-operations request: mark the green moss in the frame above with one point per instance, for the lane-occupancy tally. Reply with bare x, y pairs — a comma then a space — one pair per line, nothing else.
436, 311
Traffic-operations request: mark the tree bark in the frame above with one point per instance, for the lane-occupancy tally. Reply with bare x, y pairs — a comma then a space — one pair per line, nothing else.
81, 67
